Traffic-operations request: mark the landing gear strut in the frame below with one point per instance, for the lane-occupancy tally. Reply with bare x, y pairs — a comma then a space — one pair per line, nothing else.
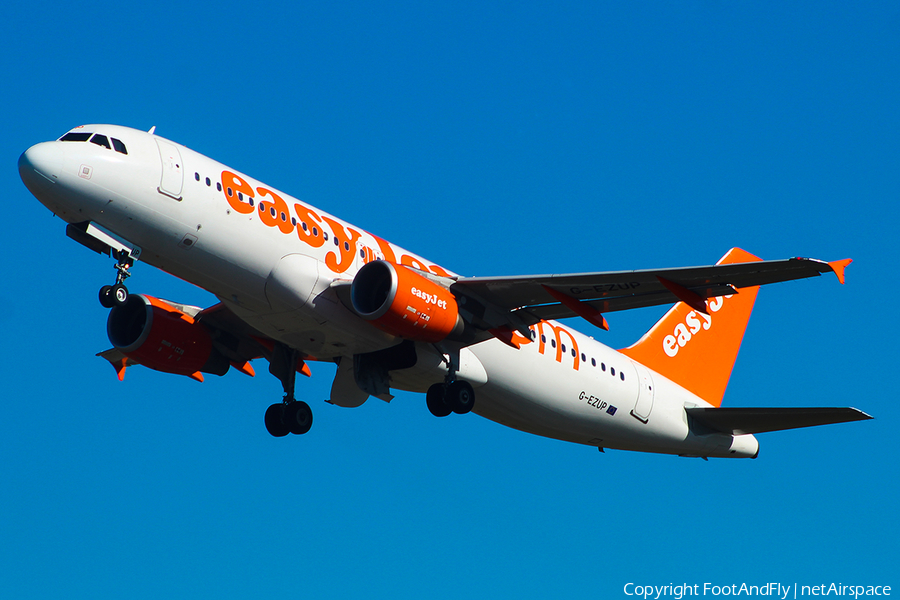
114, 295
290, 415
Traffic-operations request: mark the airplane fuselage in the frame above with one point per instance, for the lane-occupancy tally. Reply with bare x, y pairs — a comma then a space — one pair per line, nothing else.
273, 260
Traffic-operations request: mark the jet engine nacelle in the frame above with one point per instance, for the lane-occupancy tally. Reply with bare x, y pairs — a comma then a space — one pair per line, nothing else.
401, 302
159, 336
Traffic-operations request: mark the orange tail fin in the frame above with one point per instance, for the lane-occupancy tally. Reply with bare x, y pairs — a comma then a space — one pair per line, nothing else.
695, 350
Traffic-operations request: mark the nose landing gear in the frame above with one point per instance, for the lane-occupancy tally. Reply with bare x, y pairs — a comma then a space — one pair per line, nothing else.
114, 295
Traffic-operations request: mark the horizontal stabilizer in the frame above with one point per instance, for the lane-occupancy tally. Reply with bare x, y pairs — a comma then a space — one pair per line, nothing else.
738, 421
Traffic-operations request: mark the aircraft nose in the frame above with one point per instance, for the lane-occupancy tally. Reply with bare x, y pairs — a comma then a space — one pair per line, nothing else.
44, 159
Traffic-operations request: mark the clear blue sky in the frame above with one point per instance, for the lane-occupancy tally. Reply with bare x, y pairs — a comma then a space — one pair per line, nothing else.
511, 138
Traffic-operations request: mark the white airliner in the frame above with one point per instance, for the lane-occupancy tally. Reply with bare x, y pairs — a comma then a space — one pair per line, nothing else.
296, 284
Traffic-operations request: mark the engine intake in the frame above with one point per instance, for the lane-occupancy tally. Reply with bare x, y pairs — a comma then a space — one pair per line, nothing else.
401, 302
161, 337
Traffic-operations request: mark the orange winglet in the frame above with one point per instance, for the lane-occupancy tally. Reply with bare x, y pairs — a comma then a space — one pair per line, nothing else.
582, 309
196, 376
838, 267
695, 301
246, 368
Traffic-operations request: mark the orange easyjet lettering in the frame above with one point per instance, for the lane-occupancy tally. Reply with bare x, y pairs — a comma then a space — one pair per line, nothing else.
409, 261
439, 271
346, 247
232, 185
274, 212
557, 331
309, 228
692, 325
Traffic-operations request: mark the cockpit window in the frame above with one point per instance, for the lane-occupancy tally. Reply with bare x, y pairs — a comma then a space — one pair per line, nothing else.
101, 140
119, 146
75, 136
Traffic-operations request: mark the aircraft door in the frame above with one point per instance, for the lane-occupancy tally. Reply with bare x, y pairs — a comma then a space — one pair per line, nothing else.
172, 169
644, 403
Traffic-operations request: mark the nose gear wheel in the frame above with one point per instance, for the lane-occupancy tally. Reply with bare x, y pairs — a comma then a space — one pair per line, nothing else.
117, 294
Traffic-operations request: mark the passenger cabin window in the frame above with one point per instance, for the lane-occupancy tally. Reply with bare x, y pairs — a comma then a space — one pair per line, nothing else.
75, 136
101, 140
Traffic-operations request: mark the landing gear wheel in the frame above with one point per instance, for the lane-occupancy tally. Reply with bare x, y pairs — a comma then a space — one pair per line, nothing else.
460, 397
298, 417
435, 399
119, 294
106, 297
275, 420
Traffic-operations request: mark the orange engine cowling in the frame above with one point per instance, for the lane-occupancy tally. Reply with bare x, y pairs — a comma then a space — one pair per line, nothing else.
401, 302
159, 336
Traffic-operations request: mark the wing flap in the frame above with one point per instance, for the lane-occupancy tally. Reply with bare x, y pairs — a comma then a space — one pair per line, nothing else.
738, 421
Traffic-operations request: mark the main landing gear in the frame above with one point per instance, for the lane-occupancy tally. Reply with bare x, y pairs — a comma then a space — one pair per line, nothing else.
454, 395
444, 398
114, 295
290, 415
